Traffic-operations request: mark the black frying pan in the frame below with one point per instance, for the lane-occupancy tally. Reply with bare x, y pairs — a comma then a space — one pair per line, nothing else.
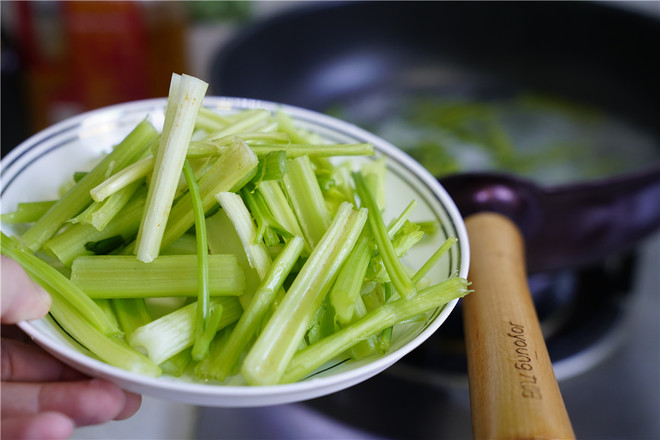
372, 56
330, 54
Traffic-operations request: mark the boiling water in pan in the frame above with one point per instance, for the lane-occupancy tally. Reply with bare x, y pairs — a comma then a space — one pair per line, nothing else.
548, 140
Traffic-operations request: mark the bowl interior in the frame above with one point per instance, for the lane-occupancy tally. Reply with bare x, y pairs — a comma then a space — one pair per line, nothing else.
40, 166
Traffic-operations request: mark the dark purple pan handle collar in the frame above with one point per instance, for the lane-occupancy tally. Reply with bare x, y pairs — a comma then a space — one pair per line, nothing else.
571, 225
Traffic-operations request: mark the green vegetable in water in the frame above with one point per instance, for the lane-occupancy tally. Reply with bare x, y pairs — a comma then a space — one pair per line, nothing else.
275, 259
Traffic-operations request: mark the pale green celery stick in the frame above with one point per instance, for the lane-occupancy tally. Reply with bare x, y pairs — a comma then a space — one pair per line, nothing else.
131, 313
247, 326
395, 269
184, 245
317, 150
127, 176
223, 239
307, 200
202, 340
323, 323
268, 229
185, 99
298, 136
385, 337
257, 255
200, 347
272, 166
374, 172
229, 173
70, 243
426, 267
245, 121
54, 281
313, 356
285, 330
216, 146
280, 208
77, 198
205, 369
406, 238
110, 349
124, 276
336, 183
210, 121
198, 149
106, 306
177, 365
99, 214
346, 288
170, 334
398, 222
368, 346
27, 212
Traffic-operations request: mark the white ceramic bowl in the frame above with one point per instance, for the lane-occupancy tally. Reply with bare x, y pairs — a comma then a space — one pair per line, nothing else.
35, 169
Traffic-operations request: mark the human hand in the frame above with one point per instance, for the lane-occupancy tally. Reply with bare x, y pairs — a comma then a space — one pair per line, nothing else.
41, 397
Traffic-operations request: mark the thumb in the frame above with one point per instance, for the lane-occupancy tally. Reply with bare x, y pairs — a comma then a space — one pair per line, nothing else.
22, 298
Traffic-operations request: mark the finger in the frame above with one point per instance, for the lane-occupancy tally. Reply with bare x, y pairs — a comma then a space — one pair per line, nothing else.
22, 363
43, 426
22, 298
131, 406
86, 402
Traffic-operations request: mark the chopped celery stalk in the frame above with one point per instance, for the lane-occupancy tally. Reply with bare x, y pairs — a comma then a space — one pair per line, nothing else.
256, 252
313, 356
216, 146
201, 322
318, 150
170, 334
210, 121
131, 313
177, 365
124, 276
385, 337
77, 198
223, 239
71, 242
395, 269
283, 333
398, 222
106, 306
374, 172
248, 324
286, 125
202, 340
105, 246
184, 245
307, 200
99, 214
428, 264
27, 212
229, 173
184, 101
247, 120
272, 166
54, 282
205, 369
129, 175
346, 289
406, 238
279, 207
108, 348
268, 228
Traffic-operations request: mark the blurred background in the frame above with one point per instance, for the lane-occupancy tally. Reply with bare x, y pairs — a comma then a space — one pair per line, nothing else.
602, 320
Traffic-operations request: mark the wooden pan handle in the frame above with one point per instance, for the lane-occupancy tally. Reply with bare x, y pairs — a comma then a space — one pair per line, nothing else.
513, 390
